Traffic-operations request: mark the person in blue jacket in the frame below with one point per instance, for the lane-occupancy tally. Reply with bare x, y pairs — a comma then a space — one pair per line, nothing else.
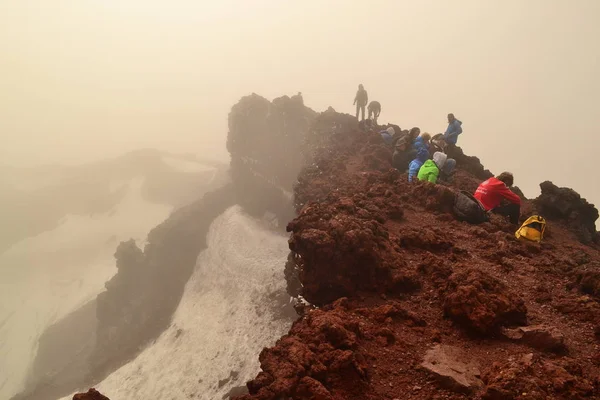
388, 135
421, 145
454, 129
422, 141
416, 164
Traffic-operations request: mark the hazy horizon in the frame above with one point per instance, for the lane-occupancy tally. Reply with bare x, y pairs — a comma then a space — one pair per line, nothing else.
84, 80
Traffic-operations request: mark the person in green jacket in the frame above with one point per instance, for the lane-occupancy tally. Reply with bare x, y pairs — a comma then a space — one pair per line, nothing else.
430, 170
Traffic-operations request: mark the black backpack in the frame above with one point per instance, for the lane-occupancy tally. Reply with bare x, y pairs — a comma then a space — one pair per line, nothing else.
468, 208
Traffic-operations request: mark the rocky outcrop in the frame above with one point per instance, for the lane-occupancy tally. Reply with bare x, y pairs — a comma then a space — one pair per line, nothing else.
566, 205
91, 394
408, 293
320, 351
268, 146
345, 248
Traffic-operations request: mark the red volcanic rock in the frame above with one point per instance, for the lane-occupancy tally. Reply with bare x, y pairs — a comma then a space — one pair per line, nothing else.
344, 247
539, 337
481, 302
320, 351
387, 263
446, 364
534, 378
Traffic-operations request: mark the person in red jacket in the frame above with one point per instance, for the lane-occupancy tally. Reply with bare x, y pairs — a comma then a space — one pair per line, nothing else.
495, 195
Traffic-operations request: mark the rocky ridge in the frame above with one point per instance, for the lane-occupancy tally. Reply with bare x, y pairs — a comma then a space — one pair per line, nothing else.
408, 302
395, 276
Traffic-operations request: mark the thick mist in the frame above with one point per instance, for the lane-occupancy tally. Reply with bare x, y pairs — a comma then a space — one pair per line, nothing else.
87, 79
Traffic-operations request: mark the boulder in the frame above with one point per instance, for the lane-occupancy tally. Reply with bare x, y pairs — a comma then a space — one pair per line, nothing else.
91, 394
538, 336
567, 205
448, 366
482, 303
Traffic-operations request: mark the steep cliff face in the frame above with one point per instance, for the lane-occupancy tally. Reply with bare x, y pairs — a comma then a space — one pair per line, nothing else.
142, 296
415, 304
267, 142
269, 145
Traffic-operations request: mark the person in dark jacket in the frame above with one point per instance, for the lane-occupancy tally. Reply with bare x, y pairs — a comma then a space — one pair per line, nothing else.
454, 129
495, 195
404, 149
374, 109
361, 100
403, 152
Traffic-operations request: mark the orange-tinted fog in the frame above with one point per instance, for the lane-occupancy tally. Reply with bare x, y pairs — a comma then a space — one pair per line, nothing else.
86, 79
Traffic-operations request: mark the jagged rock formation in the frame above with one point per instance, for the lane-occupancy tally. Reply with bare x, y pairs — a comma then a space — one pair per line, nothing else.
267, 143
394, 274
565, 204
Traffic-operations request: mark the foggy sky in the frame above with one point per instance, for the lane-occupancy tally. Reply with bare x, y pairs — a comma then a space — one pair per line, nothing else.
86, 79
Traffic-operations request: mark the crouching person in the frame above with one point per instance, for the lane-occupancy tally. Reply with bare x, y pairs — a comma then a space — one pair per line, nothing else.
495, 196
430, 171
416, 164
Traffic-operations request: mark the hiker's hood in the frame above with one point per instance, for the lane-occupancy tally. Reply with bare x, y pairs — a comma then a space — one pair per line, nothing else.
439, 159
391, 131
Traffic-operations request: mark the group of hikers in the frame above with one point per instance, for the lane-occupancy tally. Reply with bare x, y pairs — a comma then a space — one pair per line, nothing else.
425, 157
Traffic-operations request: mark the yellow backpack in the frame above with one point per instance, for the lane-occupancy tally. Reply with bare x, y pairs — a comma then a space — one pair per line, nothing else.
532, 229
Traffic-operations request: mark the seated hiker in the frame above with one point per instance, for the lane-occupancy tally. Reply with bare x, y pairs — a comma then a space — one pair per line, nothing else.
494, 191
374, 109
416, 164
437, 143
403, 152
422, 142
388, 135
431, 168
447, 170
454, 129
